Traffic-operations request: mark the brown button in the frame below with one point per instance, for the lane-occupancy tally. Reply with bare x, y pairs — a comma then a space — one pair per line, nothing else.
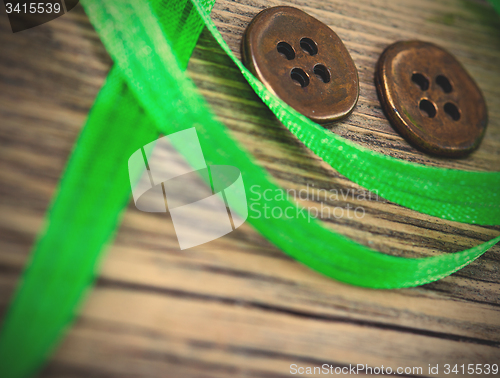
303, 62
430, 98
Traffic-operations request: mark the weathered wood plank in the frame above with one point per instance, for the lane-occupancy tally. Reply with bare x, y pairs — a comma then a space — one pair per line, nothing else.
237, 305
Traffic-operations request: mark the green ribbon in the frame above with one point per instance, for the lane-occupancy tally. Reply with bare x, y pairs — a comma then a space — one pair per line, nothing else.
148, 93
496, 5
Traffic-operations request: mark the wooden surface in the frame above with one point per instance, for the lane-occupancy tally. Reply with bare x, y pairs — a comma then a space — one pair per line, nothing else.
237, 306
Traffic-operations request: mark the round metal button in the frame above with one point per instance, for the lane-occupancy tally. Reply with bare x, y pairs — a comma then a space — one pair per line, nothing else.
303, 62
430, 98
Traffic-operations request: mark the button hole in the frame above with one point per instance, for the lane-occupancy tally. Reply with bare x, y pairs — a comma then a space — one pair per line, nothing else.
322, 72
286, 50
452, 110
444, 83
428, 108
300, 77
309, 46
420, 80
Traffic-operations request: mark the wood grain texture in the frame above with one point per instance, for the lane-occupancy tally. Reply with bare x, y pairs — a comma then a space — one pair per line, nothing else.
238, 306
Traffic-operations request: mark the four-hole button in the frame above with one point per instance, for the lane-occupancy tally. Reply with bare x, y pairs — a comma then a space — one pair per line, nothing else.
430, 98
303, 62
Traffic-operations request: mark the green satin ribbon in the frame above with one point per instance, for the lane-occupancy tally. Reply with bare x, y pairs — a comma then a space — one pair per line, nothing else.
496, 5
148, 93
